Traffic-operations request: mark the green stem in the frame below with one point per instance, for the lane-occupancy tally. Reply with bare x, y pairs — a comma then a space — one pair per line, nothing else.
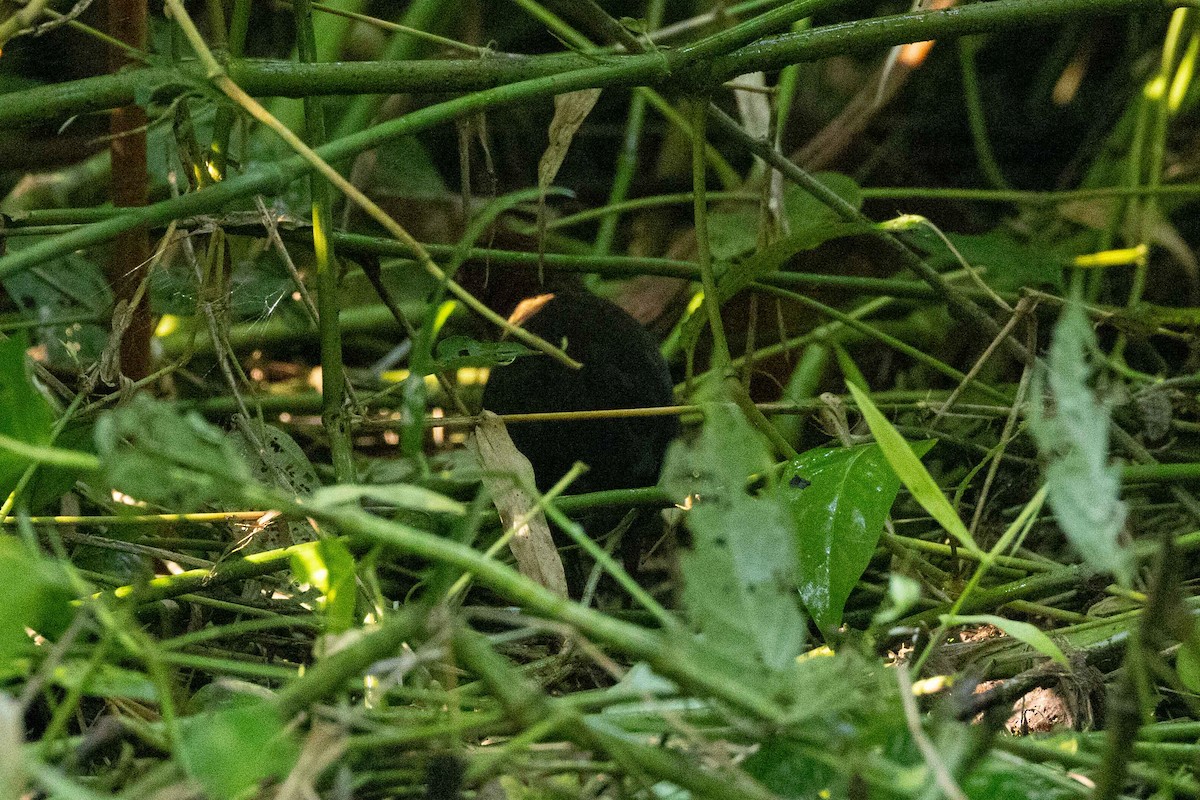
973, 97
721, 357
335, 415
916, 354
844, 210
662, 67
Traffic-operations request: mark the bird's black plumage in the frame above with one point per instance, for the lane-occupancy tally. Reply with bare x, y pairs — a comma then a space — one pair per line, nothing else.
622, 368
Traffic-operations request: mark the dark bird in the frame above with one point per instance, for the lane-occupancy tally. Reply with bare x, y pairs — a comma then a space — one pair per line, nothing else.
622, 368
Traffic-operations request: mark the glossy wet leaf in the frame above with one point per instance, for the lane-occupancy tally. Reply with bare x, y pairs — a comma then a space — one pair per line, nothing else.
838, 500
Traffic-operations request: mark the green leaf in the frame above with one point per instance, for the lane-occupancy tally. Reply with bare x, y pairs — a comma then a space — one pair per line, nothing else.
462, 351
403, 165
401, 495
1013, 779
1021, 631
803, 210
903, 593
329, 567
24, 413
791, 769
1009, 265
104, 680
733, 230
153, 453
838, 500
733, 233
911, 471
1084, 488
1187, 663
64, 288
276, 460
35, 593
232, 750
739, 575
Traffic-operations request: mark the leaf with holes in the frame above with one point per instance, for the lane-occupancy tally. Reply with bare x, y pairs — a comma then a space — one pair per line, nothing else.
739, 575
152, 452
1084, 488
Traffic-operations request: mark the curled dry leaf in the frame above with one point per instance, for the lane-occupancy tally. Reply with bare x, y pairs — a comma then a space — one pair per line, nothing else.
506, 473
570, 110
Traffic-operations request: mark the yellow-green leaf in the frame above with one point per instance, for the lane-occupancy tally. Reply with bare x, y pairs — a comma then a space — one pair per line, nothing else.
911, 471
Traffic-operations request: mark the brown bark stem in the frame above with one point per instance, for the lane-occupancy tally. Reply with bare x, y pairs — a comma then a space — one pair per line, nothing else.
128, 263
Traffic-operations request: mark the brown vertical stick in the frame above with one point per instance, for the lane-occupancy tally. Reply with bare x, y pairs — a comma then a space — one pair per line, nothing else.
127, 266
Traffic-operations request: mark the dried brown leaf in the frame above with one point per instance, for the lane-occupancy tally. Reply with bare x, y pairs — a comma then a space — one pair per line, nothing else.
506, 473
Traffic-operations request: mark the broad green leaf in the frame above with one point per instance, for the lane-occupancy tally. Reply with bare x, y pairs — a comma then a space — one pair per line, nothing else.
329, 567
735, 277
230, 751
34, 593
1009, 265
733, 230
794, 769
1022, 631
275, 459
181, 462
61, 289
1015, 779
911, 471
403, 165
739, 575
1084, 488
733, 234
838, 500
24, 413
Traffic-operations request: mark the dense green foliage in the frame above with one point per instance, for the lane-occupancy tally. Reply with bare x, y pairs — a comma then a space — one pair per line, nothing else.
928, 525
